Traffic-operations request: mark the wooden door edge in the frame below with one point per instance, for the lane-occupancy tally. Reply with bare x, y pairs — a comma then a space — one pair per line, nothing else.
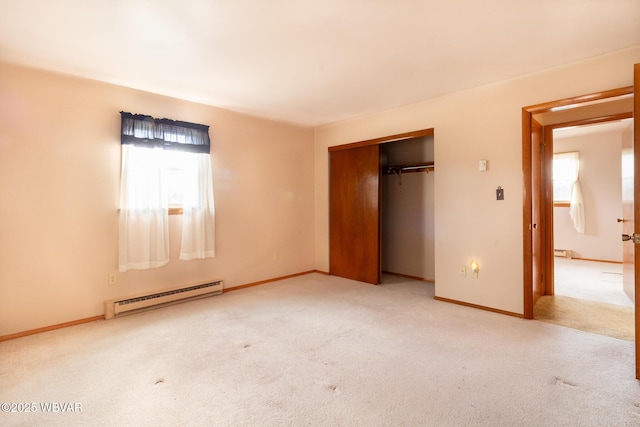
636, 224
548, 213
527, 201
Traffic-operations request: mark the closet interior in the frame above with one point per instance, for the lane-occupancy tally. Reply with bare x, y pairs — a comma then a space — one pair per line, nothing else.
407, 208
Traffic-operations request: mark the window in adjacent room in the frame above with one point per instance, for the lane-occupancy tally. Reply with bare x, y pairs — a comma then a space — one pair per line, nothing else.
565, 173
166, 165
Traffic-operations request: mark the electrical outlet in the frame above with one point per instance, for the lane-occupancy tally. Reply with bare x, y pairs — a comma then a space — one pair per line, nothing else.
463, 271
113, 278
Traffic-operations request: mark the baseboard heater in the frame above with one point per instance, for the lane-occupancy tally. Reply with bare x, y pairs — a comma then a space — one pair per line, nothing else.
118, 307
564, 253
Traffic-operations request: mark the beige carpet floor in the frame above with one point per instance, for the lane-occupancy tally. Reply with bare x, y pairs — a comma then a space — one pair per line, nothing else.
589, 296
596, 317
318, 350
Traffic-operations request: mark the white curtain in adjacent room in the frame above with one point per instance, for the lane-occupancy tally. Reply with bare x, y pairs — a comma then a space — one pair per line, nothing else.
576, 209
198, 217
567, 169
144, 211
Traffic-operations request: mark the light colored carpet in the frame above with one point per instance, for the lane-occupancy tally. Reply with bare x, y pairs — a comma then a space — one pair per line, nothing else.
322, 351
590, 280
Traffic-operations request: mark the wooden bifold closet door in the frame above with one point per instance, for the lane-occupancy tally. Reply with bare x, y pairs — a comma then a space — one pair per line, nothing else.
354, 214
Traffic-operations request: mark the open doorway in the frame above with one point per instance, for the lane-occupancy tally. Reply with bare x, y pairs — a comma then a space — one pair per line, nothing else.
586, 290
538, 122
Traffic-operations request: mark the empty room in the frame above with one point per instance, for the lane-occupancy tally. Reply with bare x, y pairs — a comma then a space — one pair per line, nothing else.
308, 213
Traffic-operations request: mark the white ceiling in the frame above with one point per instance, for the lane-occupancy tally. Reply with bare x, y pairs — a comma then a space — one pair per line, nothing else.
616, 126
310, 62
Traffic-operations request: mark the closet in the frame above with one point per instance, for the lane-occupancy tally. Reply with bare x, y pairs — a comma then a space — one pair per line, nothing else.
407, 208
381, 207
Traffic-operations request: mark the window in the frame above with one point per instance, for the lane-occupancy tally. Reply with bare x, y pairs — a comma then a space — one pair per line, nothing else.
165, 164
176, 167
565, 167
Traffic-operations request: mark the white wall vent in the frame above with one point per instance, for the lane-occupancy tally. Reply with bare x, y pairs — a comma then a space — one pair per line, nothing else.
564, 253
137, 303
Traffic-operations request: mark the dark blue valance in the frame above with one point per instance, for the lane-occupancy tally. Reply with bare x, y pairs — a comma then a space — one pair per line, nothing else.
145, 131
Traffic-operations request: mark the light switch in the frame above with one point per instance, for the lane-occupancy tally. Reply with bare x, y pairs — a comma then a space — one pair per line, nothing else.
499, 193
482, 166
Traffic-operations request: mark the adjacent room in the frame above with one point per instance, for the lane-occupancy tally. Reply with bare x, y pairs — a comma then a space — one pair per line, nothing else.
588, 291
168, 226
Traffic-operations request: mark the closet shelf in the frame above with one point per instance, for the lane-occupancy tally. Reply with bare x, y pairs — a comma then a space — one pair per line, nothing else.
415, 167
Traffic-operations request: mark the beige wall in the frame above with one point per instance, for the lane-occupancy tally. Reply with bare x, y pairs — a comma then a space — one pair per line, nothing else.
481, 123
59, 177
601, 183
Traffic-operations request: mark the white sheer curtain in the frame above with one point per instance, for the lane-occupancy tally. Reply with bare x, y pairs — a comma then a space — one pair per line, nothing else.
576, 209
567, 171
144, 211
198, 217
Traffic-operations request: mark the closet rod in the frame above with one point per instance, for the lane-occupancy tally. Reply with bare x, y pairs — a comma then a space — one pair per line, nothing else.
409, 168
397, 170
